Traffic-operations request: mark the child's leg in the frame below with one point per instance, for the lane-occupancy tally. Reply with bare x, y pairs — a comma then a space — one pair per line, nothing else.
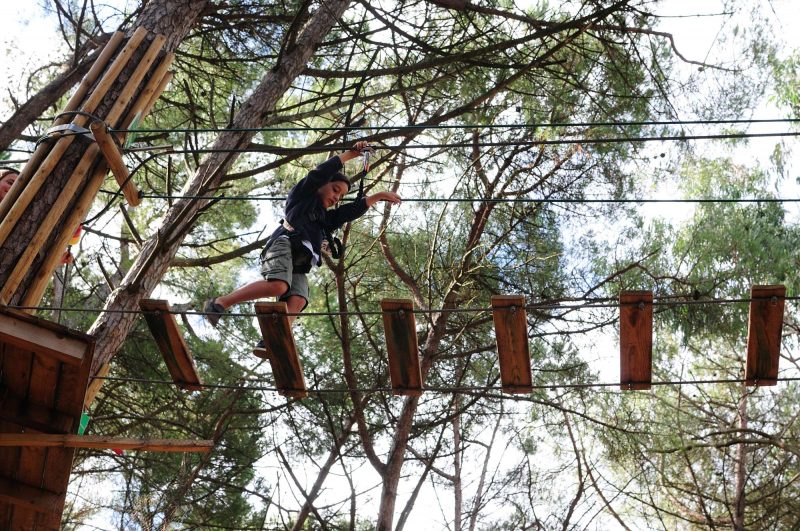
277, 270
295, 304
260, 289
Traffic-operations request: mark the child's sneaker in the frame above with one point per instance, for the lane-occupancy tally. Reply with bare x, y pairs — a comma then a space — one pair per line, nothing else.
260, 350
213, 311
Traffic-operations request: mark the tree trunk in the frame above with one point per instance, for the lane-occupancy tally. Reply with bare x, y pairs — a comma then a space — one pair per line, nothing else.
35, 213
458, 494
47, 96
333, 456
741, 468
110, 329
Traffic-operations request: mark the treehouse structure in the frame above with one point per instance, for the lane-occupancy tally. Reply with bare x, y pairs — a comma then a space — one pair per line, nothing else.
44, 366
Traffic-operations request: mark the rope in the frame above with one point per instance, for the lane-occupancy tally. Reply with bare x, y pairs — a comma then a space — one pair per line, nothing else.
448, 389
509, 143
487, 200
459, 126
658, 301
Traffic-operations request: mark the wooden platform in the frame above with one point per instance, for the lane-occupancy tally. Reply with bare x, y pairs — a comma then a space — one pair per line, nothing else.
400, 329
281, 350
764, 334
511, 333
635, 340
171, 344
44, 369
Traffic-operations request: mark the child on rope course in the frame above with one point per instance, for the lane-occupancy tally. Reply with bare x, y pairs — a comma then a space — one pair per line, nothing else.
295, 246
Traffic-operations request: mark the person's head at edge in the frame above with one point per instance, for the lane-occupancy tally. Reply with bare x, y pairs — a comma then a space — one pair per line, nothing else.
7, 178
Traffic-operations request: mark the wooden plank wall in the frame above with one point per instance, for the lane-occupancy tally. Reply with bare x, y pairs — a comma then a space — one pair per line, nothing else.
764, 334
635, 339
400, 330
41, 393
281, 350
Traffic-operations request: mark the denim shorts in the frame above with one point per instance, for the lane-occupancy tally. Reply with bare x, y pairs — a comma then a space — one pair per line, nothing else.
277, 265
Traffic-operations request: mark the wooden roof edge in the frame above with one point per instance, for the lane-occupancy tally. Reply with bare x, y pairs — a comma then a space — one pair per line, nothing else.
52, 326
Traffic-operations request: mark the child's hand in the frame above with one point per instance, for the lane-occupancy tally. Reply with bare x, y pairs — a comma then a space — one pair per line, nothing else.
363, 146
389, 197
360, 147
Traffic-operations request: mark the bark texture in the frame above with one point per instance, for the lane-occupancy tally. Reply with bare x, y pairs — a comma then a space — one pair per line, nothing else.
170, 18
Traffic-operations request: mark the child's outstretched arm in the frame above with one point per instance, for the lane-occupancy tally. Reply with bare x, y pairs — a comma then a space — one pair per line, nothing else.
321, 175
389, 197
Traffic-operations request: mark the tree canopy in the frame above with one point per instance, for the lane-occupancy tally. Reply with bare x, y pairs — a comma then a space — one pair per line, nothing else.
521, 137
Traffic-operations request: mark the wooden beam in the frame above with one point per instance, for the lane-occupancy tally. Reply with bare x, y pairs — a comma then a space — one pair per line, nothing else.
132, 85
26, 334
281, 350
162, 85
91, 76
53, 156
635, 339
764, 334
114, 158
30, 498
400, 330
76, 215
36, 245
151, 92
171, 344
511, 333
40, 440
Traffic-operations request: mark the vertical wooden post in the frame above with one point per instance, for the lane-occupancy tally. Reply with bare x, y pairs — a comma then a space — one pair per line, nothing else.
400, 330
635, 339
764, 334
151, 92
43, 149
74, 218
282, 352
91, 76
36, 244
31, 187
136, 78
511, 333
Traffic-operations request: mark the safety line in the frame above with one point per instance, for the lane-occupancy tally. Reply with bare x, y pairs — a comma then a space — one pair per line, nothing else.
509, 143
448, 389
487, 200
662, 301
457, 126
518, 143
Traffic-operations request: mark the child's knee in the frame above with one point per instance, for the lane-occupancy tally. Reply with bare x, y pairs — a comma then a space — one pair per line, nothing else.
297, 302
281, 287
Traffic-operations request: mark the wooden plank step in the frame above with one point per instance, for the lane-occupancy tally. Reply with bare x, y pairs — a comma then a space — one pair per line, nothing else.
170, 342
400, 329
764, 334
635, 339
511, 333
281, 350
38, 440
30, 498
